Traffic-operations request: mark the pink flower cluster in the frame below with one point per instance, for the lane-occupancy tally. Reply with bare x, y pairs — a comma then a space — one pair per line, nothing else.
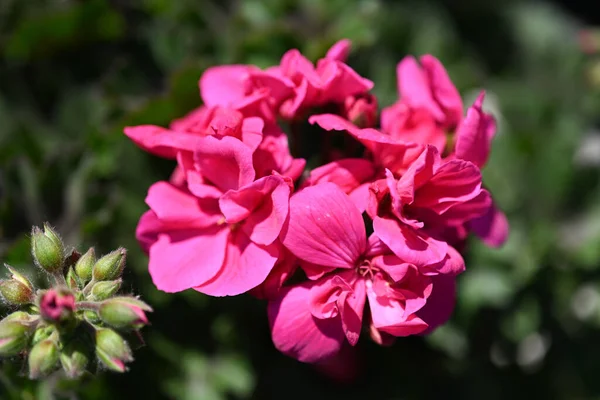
365, 239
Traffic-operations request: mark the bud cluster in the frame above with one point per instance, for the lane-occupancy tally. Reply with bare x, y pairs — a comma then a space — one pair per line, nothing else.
80, 315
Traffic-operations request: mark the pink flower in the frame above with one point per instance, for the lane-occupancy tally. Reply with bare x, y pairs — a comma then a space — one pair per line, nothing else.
428, 86
361, 110
218, 236
387, 152
185, 133
56, 305
431, 197
311, 321
288, 89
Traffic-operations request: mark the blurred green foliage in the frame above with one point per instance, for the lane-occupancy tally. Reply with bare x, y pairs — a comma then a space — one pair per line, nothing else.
74, 72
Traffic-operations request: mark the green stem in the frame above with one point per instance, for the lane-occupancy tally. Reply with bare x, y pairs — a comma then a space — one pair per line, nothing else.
87, 305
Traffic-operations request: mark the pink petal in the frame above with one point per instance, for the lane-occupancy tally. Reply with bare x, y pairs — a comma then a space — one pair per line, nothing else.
443, 90
181, 260
474, 135
147, 230
440, 304
246, 266
393, 266
160, 141
453, 264
325, 227
182, 210
339, 51
224, 85
347, 173
387, 151
454, 182
410, 245
284, 268
263, 204
252, 132
388, 316
492, 227
351, 307
414, 87
297, 333
225, 161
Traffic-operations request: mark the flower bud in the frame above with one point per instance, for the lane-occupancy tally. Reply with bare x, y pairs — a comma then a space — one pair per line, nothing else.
124, 312
110, 266
73, 281
91, 317
43, 332
18, 289
112, 350
361, 110
85, 264
74, 358
21, 316
47, 249
56, 305
105, 289
13, 337
43, 358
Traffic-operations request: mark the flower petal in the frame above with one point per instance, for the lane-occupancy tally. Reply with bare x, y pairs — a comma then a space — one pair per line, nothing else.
440, 304
160, 141
246, 266
410, 245
263, 205
225, 161
297, 333
325, 227
492, 227
184, 259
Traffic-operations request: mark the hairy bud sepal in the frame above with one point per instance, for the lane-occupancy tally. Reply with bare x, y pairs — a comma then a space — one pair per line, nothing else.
47, 249
110, 266
43, 358
112, 350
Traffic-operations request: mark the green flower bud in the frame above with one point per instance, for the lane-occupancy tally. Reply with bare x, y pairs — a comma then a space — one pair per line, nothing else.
91, 317
74, 358
112, 350
21, 316
47, 249
13, 337
124, 312
105, 289
85, 264
18, 289
43, 358
73, 281
43, 333
110, 266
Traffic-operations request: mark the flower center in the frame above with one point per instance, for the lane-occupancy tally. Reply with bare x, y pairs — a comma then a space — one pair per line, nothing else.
366, 269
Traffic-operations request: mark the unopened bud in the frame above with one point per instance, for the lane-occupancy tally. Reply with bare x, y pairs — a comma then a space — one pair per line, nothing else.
112, 350
73, 281
13, 337
105, 289
47, 249
124, 312
74, 358
43, 333
85, 264
43, 358
110, 266
21, 316
17, 290
56, 305
91, 317
361, 110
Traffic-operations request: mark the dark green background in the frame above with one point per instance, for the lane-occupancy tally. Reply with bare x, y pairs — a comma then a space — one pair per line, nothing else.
527, 324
